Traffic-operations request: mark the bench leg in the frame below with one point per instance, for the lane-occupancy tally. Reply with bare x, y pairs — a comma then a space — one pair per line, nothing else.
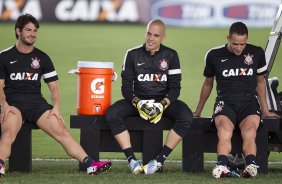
20, 158
193, 152
152, 144
90, 142
262, 151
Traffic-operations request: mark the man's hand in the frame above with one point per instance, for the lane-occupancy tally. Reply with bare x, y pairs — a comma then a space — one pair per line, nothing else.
196, 114
5, 110
270, 115
56, 112
144, 107
158, 109
157, 113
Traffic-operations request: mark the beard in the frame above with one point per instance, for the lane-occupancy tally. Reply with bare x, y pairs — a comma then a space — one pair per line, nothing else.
27, 42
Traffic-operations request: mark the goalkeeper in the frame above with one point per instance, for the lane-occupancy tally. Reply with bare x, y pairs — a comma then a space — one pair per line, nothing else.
151, 78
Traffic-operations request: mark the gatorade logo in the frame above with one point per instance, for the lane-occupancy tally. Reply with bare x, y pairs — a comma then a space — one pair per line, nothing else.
98, 86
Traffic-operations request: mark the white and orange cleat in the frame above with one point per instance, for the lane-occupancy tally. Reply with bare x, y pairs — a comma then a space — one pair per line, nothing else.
2, 170
250, 171
221, 171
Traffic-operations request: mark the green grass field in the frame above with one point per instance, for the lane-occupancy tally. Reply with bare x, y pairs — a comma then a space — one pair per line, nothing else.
65, 172
68, 43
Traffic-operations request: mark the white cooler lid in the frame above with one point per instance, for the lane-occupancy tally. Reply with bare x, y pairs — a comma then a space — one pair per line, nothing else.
95, 64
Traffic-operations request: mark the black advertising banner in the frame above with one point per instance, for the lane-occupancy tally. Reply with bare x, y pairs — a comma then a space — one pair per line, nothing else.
74, 10
184, 13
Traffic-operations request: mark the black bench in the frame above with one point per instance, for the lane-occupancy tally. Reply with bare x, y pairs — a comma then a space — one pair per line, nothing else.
21, 154
95, 137
202, 138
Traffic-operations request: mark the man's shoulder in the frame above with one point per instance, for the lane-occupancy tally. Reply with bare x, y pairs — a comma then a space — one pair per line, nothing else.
38, 51
254, 48
135, 49
217, 49
168, 49
7, 50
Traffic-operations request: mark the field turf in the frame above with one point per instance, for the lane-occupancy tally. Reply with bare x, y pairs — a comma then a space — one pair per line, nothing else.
68, 43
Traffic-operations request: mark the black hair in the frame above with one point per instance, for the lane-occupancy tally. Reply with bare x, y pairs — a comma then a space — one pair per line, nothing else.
238, 28
24, 20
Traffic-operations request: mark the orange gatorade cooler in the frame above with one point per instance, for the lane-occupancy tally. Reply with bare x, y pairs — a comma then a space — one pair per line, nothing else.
94, 89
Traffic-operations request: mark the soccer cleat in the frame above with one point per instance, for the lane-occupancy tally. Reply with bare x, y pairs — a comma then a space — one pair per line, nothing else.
233, 168
152, 167
221, 171
136, 167
99, 167
235, 174
2, 171
250, 171
238, 160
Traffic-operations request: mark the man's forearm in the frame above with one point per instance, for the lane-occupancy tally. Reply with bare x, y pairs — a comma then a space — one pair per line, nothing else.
2, 98
55, 97
261, 89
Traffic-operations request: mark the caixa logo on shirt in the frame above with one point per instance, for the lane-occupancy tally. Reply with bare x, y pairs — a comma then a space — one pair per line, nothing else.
238, 72
152, 77
24, 76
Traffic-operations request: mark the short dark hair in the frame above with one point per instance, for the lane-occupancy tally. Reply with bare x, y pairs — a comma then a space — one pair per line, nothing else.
24, 20
238, 28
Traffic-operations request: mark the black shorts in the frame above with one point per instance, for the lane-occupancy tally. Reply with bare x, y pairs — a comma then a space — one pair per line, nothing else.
31, 107
237, 110
177, 111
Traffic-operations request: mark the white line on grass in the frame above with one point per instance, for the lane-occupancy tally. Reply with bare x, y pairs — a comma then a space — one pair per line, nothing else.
122, 160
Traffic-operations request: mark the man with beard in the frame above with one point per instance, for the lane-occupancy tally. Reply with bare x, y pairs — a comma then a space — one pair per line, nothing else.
21, 68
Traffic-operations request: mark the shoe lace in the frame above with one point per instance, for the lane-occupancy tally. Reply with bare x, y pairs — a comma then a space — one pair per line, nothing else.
2, 166
133, 164
223, 168
155, 164
255, 166
99, 164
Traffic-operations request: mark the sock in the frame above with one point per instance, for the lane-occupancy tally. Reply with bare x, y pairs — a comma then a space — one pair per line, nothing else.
163, 154
2, 162
129, 154
250, 159
87, 161
222, 160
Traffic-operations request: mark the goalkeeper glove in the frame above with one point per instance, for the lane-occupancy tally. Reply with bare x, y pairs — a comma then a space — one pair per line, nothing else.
157, 113
144, 107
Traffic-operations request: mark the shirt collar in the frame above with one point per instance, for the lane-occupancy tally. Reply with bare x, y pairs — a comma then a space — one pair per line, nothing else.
149, 53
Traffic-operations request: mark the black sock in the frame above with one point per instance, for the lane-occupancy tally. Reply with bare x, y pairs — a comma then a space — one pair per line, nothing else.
222, 160
163, 154
87, 161
2, 162
129, 154
250, 159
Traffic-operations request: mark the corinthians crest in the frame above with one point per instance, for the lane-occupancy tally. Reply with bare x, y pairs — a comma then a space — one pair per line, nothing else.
248, 59
163, 64
35, 63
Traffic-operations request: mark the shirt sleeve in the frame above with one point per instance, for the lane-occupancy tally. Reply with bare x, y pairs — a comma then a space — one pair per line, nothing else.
2, 69
127, 75
174, 78
48, 71
262, 66
209, 69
